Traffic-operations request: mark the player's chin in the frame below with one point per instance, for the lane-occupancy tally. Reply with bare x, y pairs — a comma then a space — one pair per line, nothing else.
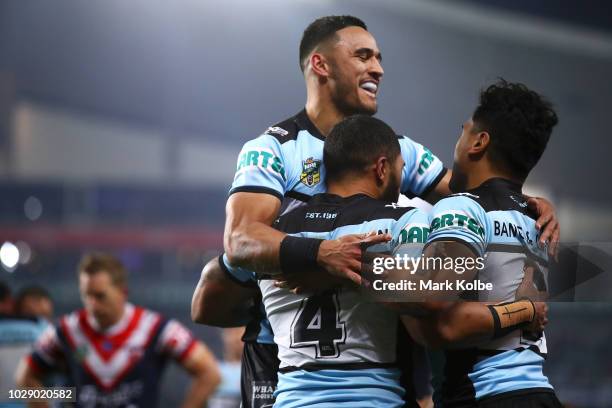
368, 107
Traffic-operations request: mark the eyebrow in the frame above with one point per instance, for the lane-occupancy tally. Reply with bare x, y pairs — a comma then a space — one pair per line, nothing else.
369, 52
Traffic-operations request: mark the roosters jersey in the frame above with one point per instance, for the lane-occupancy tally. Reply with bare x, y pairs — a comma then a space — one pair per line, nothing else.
118, 367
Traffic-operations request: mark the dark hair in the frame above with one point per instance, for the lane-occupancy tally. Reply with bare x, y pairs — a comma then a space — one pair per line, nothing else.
93, 263
519, 122
30, 291
355, 143
321, 30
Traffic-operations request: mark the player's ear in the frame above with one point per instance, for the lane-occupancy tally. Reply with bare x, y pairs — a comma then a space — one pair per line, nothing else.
319, 64
382, 169
479, 142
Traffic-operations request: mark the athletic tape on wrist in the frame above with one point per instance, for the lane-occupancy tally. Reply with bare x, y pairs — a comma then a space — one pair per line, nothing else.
510, 316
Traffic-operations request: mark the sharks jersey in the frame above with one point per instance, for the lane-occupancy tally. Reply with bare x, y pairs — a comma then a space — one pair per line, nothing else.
287, 162
120, 367
336, 348
493, 220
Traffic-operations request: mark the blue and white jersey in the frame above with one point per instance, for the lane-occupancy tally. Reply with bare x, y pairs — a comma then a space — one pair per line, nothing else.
287, 162
494, 221
336, 348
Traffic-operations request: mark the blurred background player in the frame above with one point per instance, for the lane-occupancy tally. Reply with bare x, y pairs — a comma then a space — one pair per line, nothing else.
228, 392
115, 352
34, 300
17, 334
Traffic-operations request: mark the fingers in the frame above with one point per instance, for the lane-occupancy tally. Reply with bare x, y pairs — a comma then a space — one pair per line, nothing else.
553, 244
351, 276
374, 239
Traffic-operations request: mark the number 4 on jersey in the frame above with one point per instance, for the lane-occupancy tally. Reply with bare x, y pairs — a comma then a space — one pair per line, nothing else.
317, 323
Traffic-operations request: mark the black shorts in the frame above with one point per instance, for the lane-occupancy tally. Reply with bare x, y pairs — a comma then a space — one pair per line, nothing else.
533, 398
258, 377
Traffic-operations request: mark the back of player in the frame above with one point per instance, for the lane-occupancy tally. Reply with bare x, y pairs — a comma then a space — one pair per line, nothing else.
335, 347
494, 220
498, 148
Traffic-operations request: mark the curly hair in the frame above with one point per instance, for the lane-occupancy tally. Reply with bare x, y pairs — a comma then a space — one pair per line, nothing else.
519, 122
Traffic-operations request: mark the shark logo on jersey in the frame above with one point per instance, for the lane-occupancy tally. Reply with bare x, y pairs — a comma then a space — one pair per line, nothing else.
311, 172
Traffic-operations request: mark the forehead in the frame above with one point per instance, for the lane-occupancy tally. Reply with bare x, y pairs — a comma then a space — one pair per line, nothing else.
355, 38
99, 280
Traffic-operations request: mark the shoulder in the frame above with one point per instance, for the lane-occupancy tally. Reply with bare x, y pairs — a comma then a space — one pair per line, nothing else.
466, 200
283, 131
370, 209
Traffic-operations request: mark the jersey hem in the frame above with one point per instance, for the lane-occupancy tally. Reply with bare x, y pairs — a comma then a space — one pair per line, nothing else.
256, 189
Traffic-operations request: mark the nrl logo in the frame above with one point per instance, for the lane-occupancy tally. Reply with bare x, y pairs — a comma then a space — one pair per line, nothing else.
311, 172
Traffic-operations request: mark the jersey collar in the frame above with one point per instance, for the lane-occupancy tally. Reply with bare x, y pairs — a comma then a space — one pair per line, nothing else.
128, 312
304, 122
503, 183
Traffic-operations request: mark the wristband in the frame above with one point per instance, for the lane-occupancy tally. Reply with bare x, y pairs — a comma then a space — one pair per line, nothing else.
298, 253
510, 316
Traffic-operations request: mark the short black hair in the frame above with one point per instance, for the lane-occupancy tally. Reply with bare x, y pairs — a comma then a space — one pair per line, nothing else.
322, 29
35, 291
519, 122
355, 143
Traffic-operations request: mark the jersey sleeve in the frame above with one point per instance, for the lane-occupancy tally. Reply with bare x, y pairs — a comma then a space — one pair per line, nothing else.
409, 233
176, 341
422, 170
241, 276
261, 168
47, 351
460, 218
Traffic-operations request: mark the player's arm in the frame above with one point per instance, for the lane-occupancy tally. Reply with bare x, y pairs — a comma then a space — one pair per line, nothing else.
451, 323
250, 242
45, 357
205, 374
26, 376
176, 342
221, 298
467, 324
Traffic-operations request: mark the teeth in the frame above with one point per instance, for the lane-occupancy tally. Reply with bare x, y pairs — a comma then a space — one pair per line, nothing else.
370, 86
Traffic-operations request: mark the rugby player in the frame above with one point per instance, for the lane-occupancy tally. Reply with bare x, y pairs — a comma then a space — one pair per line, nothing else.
337, 348
283, 168
504, 139
114, 352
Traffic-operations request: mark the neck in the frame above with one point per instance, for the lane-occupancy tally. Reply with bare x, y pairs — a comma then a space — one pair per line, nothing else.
483, 171
322, 112
106, 325
350, 187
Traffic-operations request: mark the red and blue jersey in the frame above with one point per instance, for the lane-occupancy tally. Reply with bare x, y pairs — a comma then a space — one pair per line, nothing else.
120, 366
